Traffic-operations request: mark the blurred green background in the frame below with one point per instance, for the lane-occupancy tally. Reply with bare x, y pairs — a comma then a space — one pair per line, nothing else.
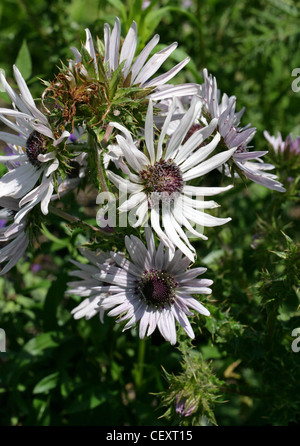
58, 371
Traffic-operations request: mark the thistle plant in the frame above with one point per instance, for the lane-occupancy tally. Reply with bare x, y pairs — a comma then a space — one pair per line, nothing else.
193, 393
147, 153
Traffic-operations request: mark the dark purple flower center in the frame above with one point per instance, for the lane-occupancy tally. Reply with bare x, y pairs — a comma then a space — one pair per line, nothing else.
35, 145
194, 128
157, 288
163, 176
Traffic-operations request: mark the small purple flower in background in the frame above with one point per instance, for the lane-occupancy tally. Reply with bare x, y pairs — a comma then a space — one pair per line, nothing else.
183, 409
2, 223
10, 164
288, 146
35, 267
8, 151
72, 138
186, 4
145, 4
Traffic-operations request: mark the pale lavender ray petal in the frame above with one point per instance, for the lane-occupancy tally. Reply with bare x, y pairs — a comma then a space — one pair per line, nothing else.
9, 138
13, 96
149, 132
154, 215
128, 48
24, 90
208, 165
202, 218
124, 263
114, 45
90, 48
154, 64
193, 303
195, 140
201, 154
141, 59
205, 191
183, 320
133, 201
174, 91
142, 214
165, 129
182, 129
164, 78
107, 33
173, 235
137, 250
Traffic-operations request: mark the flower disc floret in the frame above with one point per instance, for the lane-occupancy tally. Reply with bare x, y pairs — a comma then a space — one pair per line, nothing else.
35, 146
162, 176
157, 288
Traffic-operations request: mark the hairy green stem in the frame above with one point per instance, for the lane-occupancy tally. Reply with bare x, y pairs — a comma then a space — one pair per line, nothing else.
72, 219
99, 164
141, 360
97, 157
100, 172
106, 136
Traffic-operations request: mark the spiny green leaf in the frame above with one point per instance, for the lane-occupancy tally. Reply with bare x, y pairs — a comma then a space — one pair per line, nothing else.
115, 79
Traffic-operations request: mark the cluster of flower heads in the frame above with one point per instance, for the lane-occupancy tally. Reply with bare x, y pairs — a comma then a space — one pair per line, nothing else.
107, 120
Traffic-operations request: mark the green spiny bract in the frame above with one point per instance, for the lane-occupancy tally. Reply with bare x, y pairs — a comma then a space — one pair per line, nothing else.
80, 95
192, 393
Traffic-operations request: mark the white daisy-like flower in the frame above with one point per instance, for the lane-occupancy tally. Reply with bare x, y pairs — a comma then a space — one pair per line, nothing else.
14, 237
159, 184
30, 163
88, 286
153, 288
114, 154
138, 71
223, 108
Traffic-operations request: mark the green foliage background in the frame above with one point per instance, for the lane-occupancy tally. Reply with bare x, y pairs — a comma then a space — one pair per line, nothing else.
58, 371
